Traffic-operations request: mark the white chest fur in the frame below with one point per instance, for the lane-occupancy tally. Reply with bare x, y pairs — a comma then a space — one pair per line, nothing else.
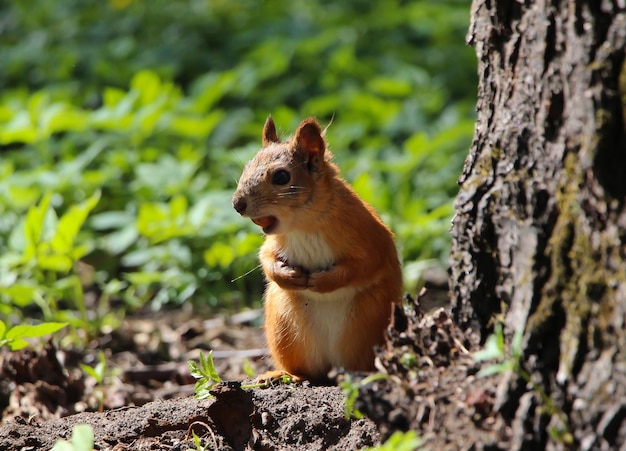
308, 250
327, 320
328, 313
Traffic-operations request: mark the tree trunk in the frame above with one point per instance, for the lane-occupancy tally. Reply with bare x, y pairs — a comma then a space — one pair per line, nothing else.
539, 236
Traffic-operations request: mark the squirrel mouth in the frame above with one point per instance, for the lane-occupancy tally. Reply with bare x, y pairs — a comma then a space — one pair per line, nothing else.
267, 223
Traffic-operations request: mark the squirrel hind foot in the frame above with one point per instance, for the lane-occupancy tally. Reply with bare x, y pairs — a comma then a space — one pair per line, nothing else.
278, 377
275, 377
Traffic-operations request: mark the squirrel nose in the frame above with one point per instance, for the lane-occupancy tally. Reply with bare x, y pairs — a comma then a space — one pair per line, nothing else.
240, 204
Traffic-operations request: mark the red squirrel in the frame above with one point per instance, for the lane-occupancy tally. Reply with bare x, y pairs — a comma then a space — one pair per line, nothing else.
331, 264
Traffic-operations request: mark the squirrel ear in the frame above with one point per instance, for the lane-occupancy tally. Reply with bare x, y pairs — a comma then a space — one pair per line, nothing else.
308, 137
269, 132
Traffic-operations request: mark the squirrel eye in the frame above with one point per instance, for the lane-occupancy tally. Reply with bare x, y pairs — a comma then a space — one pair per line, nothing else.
281, 177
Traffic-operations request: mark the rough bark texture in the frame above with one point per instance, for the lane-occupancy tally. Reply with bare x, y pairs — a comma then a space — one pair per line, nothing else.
540, 231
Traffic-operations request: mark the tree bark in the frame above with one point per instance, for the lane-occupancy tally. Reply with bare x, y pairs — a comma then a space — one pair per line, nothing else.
539, 236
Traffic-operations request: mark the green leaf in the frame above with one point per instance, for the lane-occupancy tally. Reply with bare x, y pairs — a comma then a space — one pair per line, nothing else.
202, 389
30, 331
63, 445
82, 437
80, 250
206, 374
55, 262
90, 371
248, 370
21, 293
99, 371
23, 196
61, 117
111, 220
516, 344
400, 441
70, 223
148, 84
496, 368
212, 87
17, 344
33, 227
194, 369
178, 207
112, 97
3, 329
160, 222
149, 219
121, 240
389, 86
149, 116
19, 130
82, 440
196, 440
196, 127
494, 349
219, 254
208, 367
144, 278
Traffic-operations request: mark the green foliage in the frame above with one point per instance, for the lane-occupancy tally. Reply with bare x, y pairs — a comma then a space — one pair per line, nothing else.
207, 376
400, 441
38, 264
102, 373
99, 371
248, 370
82, 440
197, 442
124, 125
350, 390
15, 337
495, 349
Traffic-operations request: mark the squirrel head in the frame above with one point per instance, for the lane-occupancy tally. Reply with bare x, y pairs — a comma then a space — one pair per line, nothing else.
283, 184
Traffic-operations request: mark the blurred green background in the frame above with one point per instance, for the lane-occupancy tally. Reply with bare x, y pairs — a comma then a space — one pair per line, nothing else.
124, 125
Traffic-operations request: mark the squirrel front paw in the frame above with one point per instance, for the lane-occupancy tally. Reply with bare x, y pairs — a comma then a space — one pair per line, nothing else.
289, 277
322, 281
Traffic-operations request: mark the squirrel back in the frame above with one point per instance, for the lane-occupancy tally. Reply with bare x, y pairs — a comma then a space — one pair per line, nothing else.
331, 265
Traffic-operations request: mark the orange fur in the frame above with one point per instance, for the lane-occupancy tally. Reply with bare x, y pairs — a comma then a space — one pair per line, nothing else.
331, 265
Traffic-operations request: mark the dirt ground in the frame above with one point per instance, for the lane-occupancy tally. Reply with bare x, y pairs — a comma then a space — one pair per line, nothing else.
148, 404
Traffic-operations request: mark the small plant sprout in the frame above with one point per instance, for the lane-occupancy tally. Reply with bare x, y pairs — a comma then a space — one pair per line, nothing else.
196, 441
102, 372
82, 440
205, 373
15, 337
285, 379
495, 349
400, 441
351, 392
248, 369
